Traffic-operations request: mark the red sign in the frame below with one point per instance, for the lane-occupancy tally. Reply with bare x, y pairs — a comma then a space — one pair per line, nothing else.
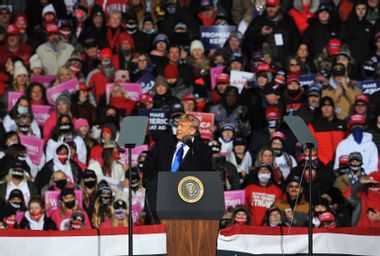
207, 120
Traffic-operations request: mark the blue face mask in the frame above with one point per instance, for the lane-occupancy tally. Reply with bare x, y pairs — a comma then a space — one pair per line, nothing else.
148, 32
357, 133
171, 9
22, 110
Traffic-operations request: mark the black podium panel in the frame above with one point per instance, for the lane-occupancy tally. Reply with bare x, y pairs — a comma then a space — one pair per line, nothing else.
170, 205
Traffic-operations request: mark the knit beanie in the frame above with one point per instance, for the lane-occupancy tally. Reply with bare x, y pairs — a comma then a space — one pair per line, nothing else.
19, 69
64, 97
35, 62
196, 44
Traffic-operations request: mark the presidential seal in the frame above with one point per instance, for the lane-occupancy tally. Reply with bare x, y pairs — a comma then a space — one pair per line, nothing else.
190, 189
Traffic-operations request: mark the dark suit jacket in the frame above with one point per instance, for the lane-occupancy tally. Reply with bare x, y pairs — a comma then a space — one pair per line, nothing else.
159, 159
198, 158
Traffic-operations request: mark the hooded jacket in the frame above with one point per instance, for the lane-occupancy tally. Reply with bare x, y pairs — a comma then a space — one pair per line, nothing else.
367, 148
301, 13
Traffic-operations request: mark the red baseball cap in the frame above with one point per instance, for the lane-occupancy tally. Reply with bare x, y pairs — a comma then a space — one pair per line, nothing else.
105, 53
52, 28
273, 2
362, 97
272, 113
356, 119
343, 160
125, 37
277, 135
83, 86
333, 46
293, 78
263, 67
223, 78
12, 29
189, 96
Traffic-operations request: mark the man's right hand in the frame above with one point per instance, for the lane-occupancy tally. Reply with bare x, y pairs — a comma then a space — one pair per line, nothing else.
266, 30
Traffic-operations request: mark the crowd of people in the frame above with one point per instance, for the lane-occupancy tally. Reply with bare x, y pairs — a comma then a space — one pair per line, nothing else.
80, 182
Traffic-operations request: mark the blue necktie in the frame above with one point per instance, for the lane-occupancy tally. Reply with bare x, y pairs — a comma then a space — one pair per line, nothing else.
177, 159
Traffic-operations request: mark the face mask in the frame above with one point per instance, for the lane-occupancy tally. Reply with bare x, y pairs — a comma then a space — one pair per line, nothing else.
135, 186
120, 214
65, 127
126, 52
357, 133
37, 215
16, 206
76, 225
106, 63
61, 184
277, 152
111, 119
105, 200
90, 184
148, 32
293, 93
65, 34
140, 165
355, 168
344, 170
24, 128
22, 110
264, 177
69, 204
10, 222
240, 222
62, 158
171, 9
131, 28
272, 123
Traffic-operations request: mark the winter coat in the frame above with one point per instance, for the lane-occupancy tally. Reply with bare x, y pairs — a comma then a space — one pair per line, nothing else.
45, 223
23, 51
97, 81
62, 222
4, 190
245, 163
301, 211
10, 125
284, 29
81, 150
306, 113
328, 135
301, 14
344, 103
54, 59
367, 148
239, 9
317, 35
358, 35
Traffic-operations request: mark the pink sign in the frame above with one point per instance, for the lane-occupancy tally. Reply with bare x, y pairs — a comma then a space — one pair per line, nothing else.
44, 80
12, 99
41, 113
214, 72
132, 90
52, 196
34, 147
135, 154
207, 120
136, 211
53, 92
233, 198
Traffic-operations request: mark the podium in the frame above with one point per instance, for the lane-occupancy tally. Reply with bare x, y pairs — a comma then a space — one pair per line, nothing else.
190, 204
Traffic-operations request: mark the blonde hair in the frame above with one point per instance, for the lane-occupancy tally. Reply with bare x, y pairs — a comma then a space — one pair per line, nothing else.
59, 73
194, 121
96, 218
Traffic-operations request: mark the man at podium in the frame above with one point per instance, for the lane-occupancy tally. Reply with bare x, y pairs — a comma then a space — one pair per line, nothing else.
184, 152
181, 153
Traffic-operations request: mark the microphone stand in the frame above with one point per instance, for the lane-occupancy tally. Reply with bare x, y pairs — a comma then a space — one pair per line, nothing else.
130, 220
310, 147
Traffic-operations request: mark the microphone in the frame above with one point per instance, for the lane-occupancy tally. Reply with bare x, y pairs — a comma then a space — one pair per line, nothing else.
187, 140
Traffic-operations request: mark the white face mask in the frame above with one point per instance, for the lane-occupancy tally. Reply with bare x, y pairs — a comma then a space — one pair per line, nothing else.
264, 177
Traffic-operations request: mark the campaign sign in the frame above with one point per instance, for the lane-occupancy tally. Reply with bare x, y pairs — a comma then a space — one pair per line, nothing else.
53, 92
214, 72
52, 196
369, 86
132, 90
207, 120
214, 37
136, 211
12, 99
147, 83
135, 154
44, 80
233, 198
158, 119
34, 147
306, 80
41, 113
240, 78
